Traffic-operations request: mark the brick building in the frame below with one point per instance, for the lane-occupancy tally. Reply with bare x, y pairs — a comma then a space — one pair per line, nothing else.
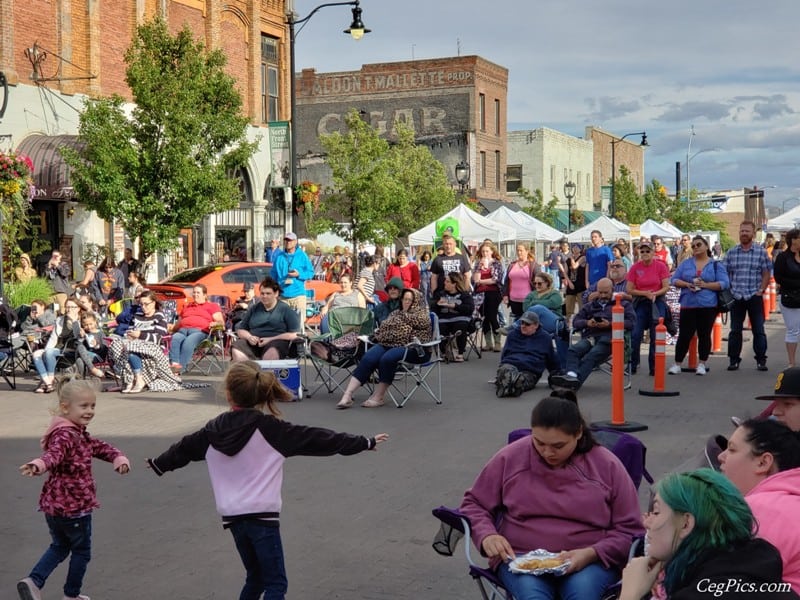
457, 107
53, 54
627, 152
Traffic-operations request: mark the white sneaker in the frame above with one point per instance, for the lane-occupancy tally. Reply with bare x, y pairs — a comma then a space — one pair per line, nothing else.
700, 370
675, 369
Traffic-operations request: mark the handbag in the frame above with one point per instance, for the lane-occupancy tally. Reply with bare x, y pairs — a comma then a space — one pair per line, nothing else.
790, 298
725, 297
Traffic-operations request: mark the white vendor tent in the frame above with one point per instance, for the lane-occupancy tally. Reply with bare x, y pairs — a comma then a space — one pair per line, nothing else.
651, 227
676, 233
611, 229
788, 220
473, 228
526, 226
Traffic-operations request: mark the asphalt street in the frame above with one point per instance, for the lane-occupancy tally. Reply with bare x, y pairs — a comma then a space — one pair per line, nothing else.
355, 527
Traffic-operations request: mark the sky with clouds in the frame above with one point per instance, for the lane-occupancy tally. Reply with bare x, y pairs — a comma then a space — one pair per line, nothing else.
731, 68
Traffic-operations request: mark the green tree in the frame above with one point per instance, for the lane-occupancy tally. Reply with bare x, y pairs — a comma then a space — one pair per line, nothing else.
382, 190
172, 161
629, 205
536, 206
691, 216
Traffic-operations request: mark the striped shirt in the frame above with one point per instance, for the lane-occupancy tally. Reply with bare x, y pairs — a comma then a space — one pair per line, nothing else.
153, 328
745, 269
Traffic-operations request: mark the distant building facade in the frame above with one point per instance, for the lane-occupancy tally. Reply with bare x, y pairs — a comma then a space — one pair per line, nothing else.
456, 106
55, 54
545, 159
627, 152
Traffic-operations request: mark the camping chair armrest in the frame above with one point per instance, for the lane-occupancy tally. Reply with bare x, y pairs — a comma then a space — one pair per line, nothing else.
454, 526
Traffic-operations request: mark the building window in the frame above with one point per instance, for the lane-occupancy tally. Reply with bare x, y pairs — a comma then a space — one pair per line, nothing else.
483, 169
497, 117
482, 111
269, 79
497, 174
513, 178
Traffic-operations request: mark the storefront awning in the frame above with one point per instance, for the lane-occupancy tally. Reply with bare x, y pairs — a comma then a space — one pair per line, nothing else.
50, 171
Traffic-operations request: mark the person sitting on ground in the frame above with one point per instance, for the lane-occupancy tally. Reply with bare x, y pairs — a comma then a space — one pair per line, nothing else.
268, 328
702, 534
24, 272
525, 483
763, 462
409, 324
196, 320
528, 351
91, 346
594, 347
384, 309
454, 306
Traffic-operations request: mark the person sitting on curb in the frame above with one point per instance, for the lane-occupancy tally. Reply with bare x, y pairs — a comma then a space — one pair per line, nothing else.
393, 290
528, 351
594, 347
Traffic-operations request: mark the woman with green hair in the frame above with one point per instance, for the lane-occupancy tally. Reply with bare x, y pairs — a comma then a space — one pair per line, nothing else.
701, 533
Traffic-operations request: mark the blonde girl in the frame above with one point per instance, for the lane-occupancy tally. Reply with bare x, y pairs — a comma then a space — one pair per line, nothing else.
245, 448
69, 494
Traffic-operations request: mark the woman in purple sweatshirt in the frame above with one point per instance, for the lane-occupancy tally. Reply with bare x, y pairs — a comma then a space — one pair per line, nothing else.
561, 491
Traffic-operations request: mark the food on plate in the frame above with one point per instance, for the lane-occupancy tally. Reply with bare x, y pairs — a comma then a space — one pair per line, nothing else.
533, 564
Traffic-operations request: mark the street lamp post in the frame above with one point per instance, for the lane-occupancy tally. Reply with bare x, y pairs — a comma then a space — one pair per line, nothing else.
356, 31
689, 159
569, 192
612, 206
462, 176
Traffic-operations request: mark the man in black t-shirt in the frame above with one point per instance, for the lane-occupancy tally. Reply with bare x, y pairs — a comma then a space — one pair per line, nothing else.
448, 262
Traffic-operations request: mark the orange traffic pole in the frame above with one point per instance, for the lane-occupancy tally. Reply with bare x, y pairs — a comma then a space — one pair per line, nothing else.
618, 373
766, 303
773, 295
661, 363
716, 336
617, 363
693, 361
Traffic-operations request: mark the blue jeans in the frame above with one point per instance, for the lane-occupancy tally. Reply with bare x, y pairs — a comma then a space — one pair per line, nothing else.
754, 308
135, 361
585, 354
46, 362
385, 359
587, 584
69, 535
261, 552
183, 344
644, 320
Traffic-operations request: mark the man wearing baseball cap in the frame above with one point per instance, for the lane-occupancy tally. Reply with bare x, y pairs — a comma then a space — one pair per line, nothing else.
291, 269
785, 405
528, 351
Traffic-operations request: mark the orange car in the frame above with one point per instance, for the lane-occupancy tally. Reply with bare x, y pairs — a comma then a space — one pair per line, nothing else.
221, 279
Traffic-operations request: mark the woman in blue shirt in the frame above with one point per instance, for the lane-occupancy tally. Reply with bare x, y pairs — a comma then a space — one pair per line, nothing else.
699, 278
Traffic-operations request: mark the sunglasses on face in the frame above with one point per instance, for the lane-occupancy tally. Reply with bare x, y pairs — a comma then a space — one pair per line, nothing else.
617, 266
697, 245
645, 251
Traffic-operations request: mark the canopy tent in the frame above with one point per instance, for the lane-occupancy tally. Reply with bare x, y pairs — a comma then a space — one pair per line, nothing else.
651, 227
526, 226
472, 228
676, 233
611, 229
788, 220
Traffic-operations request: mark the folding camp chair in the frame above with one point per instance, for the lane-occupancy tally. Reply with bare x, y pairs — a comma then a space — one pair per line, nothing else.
606, 366
475, 337
209, 354
333, 371
412, 376
454, 525
9, 327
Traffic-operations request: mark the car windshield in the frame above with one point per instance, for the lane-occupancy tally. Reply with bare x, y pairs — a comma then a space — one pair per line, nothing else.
192, 275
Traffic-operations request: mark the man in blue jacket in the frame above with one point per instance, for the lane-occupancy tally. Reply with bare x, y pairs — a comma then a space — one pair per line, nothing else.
594, 347
528, 351
291, 269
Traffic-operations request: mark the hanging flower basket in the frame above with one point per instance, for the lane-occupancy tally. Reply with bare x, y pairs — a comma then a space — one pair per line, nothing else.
307, 197
16, 177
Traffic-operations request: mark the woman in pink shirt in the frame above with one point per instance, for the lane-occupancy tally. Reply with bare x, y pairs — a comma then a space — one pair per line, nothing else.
648, 282
519, 281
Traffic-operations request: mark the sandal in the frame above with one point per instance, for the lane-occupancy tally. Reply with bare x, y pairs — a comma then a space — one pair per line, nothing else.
42, 389
458, 358
371, 403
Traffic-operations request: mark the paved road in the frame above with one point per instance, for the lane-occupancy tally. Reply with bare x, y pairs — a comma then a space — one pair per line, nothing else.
353, 527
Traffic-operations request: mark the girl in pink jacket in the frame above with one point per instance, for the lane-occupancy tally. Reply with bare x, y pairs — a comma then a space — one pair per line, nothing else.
69, 494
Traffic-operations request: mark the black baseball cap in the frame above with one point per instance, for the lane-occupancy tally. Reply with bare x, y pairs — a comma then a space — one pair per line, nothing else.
786, 386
